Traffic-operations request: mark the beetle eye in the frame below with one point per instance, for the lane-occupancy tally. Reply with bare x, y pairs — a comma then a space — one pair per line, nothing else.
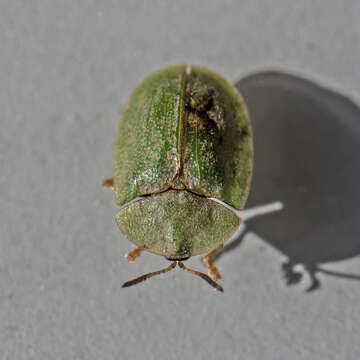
179, 259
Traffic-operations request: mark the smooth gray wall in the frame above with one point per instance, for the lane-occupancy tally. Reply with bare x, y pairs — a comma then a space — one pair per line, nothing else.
66, 70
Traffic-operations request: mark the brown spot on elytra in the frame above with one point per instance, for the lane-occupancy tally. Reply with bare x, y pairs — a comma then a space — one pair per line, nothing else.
244, 131
203, 101
207, 116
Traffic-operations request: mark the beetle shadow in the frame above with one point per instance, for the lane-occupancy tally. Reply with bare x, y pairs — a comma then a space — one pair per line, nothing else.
307, 146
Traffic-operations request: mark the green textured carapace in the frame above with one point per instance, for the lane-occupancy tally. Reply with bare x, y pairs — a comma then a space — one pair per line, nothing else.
177, 223
184, 137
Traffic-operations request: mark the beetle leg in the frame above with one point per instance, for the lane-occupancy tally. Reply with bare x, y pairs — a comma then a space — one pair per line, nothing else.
109, 182
133, 254
208, 261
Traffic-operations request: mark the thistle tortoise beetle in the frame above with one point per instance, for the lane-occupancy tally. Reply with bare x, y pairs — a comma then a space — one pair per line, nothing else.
184, 138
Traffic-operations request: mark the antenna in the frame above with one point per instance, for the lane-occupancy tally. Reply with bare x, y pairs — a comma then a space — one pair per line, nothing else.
172, 265
203, 276
149, 275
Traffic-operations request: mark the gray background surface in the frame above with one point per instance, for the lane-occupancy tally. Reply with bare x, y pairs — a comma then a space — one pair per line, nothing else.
66, 70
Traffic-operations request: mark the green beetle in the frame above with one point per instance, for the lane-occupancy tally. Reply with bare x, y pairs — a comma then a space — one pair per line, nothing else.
184, 144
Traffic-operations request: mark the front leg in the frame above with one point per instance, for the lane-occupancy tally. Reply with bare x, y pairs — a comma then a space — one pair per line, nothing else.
109, 182
133, 254
208, 261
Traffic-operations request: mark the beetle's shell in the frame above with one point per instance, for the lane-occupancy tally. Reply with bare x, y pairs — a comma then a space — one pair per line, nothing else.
184, 130
177, 224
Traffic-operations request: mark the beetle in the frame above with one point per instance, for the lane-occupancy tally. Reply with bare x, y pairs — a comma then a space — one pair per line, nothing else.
183, 159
